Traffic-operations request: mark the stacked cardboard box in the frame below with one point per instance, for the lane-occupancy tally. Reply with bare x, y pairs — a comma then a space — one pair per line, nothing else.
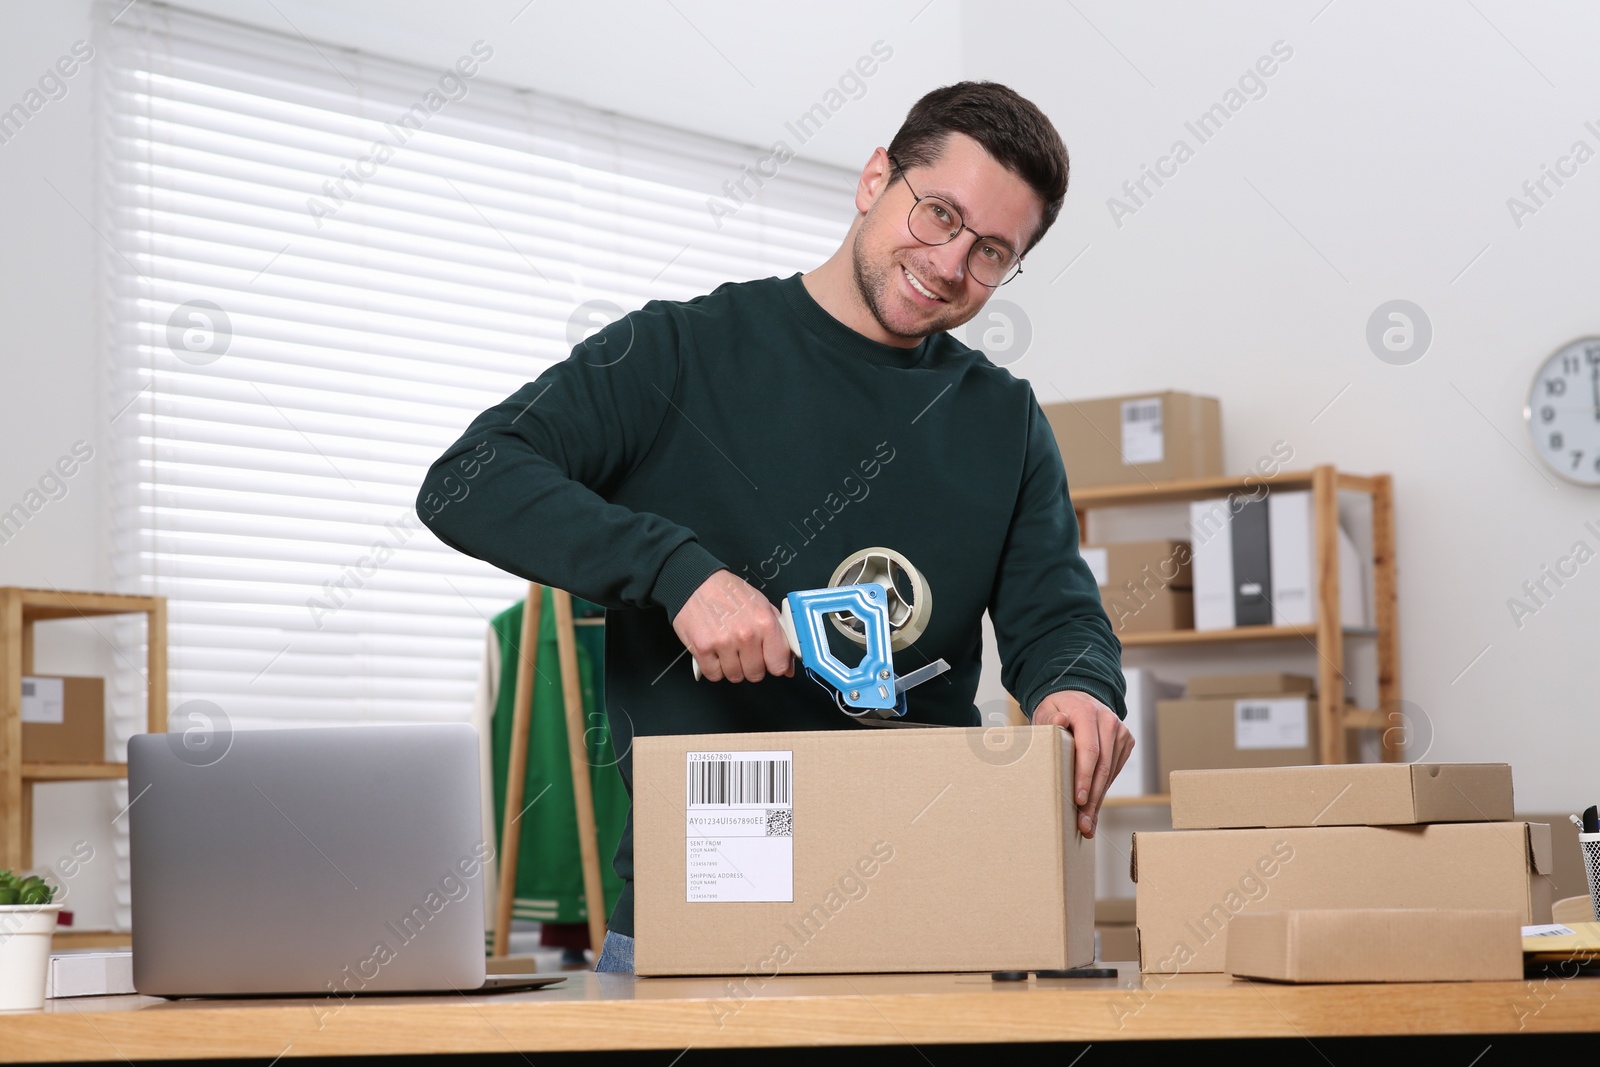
1373, 836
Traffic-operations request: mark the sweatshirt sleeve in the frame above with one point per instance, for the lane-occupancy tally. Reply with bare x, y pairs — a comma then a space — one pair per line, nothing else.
526, 487
1052, 632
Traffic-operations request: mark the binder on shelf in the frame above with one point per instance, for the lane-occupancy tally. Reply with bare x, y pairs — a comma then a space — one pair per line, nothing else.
1211, 563
1294, 581
1252, 564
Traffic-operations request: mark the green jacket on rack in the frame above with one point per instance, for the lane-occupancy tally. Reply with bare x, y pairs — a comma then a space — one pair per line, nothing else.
549, 864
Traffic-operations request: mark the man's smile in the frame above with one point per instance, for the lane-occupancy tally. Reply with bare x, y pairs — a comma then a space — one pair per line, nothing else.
920, 289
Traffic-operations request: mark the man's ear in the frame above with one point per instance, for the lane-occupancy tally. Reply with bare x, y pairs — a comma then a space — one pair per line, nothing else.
874, 179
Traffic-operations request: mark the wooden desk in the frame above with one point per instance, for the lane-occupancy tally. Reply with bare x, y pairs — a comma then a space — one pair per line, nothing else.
594, 1012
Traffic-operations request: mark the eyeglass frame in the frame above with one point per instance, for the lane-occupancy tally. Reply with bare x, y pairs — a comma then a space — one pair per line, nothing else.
962, 221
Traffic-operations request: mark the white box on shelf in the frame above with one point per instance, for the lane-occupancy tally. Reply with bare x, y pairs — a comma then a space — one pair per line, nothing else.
1140, 777
1294, 583
1211, 563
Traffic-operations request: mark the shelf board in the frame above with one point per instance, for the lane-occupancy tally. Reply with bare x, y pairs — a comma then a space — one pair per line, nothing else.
40, 604
67, 937
72, 772
1238, 633
1153, 800
1114, 496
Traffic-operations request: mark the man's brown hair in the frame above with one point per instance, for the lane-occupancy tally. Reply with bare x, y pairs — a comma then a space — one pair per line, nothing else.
1008, 126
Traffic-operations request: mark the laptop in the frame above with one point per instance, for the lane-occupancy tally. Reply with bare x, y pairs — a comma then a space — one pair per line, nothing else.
328, 862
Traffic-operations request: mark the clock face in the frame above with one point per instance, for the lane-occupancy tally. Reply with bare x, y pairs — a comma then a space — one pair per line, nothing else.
1563, 411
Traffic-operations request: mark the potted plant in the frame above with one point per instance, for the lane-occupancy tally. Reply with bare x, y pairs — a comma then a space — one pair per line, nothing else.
27, 923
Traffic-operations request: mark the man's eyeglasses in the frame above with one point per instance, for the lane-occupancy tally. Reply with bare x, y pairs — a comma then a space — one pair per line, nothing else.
933, 221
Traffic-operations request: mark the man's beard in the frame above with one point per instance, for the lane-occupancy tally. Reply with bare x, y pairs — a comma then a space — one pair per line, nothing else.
873, 285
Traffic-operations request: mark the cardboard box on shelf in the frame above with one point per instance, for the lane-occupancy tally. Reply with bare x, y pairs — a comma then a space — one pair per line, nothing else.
1192, 884
1144, 585
1160, 611
1115, 910
1137, 439
1142, 564
859, 850
1268, 731
1260, 683
1376, 945
1141, 775
1119, 942
63, 719
1113, 925
1342, 794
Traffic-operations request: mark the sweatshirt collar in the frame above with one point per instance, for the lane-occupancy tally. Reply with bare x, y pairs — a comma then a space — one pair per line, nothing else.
838, 335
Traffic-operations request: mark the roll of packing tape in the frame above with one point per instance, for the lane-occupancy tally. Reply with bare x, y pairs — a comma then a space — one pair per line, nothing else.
910, 599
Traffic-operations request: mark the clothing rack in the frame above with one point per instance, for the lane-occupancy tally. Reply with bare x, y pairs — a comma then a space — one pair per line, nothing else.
517, 773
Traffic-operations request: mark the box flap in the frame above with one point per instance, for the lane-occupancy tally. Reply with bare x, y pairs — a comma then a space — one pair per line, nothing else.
1541, 853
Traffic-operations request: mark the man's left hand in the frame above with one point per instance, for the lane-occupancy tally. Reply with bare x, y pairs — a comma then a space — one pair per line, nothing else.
1100, 744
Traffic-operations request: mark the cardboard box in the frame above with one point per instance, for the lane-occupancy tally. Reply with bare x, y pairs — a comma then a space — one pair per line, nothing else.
1145, 437
63, 719
1376, 945
1141, 775
1261, 683
1146, 612
1114, 910
1191, 884
1145, 586
1343, 794
859, 850
1119, 942
1147, 565
1271, 731
1567, 879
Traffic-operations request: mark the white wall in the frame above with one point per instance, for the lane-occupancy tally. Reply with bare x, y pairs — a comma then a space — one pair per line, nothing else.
1376, 166
49, 262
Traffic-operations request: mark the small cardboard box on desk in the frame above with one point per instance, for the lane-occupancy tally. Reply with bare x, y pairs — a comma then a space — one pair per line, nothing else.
859, 850
1191, 884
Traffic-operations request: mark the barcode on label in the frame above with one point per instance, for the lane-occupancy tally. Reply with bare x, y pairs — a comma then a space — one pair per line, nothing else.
1254, 712
27, 688
740, 782
1148, 411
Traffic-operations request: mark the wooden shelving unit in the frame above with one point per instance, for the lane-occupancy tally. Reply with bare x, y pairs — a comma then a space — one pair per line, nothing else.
20, 609
1326, 637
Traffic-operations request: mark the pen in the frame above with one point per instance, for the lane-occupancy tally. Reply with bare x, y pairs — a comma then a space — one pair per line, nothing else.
1576, 822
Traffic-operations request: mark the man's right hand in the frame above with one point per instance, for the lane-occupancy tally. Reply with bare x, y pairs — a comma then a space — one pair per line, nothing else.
733, 631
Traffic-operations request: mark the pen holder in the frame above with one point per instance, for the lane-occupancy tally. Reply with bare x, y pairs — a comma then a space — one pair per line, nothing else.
1590, 845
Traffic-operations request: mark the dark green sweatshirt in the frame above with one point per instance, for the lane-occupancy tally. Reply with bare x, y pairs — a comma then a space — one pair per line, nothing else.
751, 430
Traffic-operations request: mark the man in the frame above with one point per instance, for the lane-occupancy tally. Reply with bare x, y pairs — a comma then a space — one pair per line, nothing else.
692, 462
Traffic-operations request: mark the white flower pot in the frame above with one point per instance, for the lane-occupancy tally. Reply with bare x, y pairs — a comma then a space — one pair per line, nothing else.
25, 932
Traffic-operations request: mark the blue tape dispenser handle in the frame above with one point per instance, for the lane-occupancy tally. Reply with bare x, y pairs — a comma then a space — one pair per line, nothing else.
869, 685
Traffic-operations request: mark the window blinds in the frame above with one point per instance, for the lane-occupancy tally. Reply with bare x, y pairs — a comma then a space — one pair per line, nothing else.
323, 265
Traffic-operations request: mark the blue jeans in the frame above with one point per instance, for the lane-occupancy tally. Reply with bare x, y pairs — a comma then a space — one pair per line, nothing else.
616, 955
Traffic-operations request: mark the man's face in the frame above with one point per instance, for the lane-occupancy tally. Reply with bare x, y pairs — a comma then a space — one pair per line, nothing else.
992, 200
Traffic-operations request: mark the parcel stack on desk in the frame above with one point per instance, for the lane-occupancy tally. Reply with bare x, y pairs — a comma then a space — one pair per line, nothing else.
1344, 836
